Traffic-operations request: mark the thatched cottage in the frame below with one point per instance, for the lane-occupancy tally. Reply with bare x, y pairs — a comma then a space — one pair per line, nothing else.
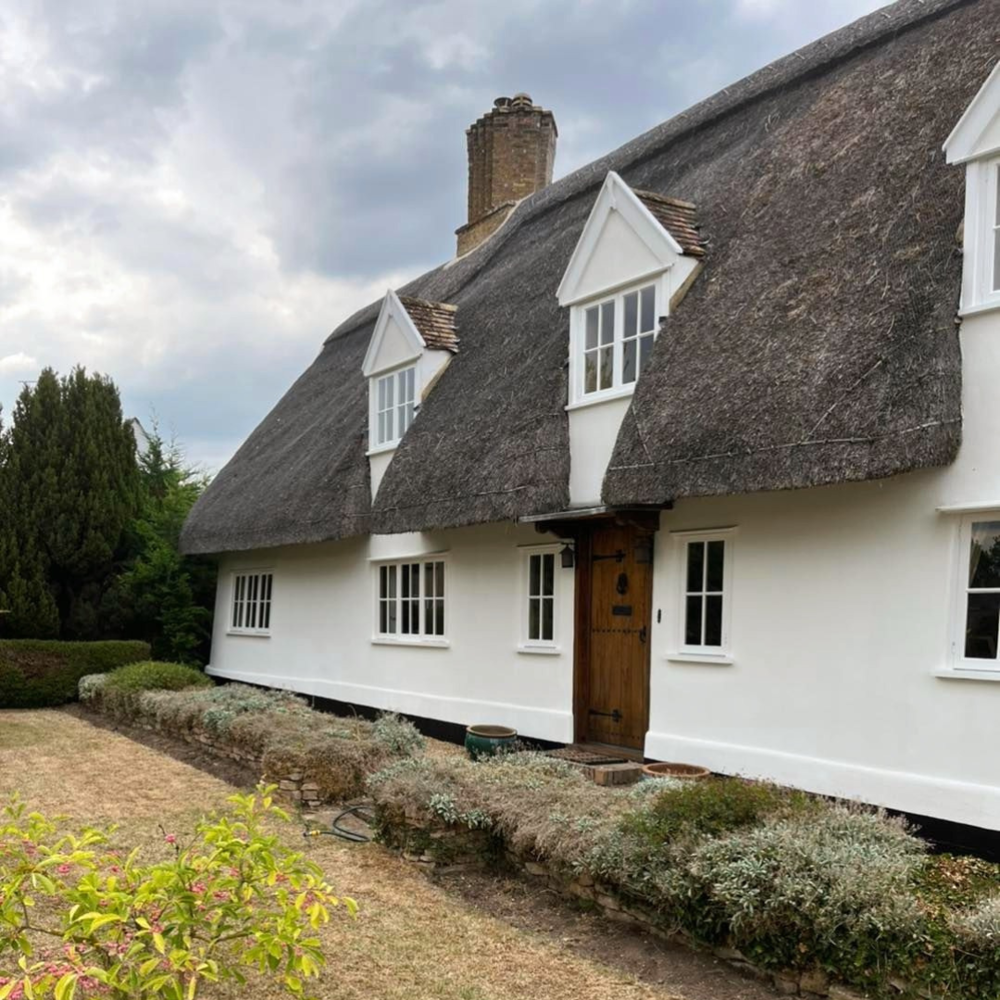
693, 452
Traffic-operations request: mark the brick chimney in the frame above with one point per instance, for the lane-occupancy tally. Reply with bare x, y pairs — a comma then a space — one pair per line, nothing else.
511, 153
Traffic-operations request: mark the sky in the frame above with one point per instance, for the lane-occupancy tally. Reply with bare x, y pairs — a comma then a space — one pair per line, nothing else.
194, 193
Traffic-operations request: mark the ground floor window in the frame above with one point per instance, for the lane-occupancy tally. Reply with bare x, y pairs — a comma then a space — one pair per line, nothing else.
981, 591
251, 605
410, 599
540, 586
705, 567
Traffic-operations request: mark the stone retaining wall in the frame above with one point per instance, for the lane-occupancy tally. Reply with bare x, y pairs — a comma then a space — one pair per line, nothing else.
437, 847
295, 786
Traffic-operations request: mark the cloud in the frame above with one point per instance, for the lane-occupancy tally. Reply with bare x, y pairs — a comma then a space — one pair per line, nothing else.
192, 195
14, 364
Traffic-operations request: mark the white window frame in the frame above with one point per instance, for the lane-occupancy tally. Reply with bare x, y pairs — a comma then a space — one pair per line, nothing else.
528, 644
684, 652
248, 602
420, 637
396, 410
578, 338
982, 226
959, 664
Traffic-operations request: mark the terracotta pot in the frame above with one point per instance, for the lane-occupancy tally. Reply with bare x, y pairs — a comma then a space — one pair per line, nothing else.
488, 741
686, 772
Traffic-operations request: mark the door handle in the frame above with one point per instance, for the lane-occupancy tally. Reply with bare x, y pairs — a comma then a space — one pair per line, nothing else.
642, 634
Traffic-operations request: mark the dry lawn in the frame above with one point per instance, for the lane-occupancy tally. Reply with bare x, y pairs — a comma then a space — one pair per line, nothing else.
411, 940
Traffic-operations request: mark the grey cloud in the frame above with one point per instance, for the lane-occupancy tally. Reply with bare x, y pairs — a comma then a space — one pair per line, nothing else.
210, 187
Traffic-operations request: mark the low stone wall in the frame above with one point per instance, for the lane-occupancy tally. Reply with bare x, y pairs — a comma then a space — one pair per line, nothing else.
295, 786
442, 849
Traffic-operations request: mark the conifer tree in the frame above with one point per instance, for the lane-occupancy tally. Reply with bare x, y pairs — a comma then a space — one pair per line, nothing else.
70, 489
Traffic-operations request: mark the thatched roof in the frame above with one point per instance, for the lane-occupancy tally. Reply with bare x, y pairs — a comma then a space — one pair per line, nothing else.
818, 345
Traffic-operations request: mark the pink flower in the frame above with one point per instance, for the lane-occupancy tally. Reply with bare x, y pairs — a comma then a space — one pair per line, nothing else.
64, 869
170, 838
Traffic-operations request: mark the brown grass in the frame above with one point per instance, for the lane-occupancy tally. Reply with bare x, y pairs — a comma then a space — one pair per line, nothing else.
410, 940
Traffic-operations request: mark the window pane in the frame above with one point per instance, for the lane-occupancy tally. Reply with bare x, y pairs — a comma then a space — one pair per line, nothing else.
547, 604
381, 393
696, 566
534, 618
439, 579
607, 367
629, 352
984, 557
716, 555
405, 625
981, 626
389, 436
592, 321
631, 315
548, 574
648, 312
534, 575
608, 322
590, 372
645, 346
381, 428
692, 621
713, 620
392, 582
439, 623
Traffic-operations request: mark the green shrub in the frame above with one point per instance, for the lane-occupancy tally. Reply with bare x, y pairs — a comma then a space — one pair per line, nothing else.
119, 695
39, 673
709, 808
154, 676
228, 901
829, 889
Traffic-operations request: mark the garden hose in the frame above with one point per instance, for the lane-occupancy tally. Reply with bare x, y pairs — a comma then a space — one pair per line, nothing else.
362, 810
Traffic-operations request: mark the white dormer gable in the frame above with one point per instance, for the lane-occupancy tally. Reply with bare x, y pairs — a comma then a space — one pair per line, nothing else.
395, 339
622, 242
975, 141
977, 133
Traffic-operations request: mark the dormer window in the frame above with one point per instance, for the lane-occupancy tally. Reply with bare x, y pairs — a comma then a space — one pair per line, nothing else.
975, 141
636, 255
412, 342
618, 334
395, 404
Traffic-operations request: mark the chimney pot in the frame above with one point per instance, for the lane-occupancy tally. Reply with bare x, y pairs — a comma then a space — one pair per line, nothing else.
512, 150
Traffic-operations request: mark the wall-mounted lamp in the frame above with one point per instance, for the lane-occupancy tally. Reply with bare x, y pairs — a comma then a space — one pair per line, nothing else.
566, 556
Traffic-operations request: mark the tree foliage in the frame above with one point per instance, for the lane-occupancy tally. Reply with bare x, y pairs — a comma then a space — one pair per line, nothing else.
70, 490
164, 597
89, 537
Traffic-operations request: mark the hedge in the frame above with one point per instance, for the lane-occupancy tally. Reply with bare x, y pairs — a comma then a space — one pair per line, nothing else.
39, 673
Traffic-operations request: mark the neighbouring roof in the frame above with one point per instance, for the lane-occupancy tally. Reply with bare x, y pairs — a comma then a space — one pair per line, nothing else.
434, 320
679, 218
818, 345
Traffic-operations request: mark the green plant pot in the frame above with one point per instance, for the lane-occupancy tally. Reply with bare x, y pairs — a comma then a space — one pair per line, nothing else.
488, 741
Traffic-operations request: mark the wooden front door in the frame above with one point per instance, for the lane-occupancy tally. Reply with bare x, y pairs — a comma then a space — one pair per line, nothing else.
613, 625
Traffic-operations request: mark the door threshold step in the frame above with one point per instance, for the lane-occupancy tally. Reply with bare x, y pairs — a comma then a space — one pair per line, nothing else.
600, 766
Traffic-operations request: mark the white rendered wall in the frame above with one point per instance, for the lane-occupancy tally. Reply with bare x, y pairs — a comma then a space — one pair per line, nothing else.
322, 620
841, 621
593, 431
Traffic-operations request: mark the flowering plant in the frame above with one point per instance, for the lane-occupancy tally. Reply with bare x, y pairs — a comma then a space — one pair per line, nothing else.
78, 920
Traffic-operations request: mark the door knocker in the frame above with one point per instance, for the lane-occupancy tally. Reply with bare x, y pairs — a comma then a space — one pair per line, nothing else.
622, 585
